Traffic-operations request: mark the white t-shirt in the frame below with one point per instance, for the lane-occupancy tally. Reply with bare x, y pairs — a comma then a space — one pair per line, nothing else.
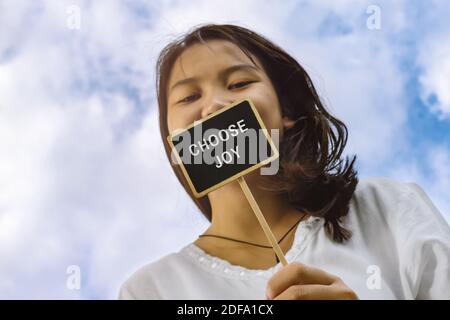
399, 249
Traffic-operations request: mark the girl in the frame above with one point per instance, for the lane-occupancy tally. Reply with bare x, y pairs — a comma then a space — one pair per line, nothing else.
376, 239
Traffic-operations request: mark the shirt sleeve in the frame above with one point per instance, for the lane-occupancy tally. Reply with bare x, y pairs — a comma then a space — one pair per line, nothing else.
424, 246
138, 287
125, 294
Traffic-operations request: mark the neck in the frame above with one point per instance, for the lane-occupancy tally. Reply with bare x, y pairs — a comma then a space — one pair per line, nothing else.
232, 215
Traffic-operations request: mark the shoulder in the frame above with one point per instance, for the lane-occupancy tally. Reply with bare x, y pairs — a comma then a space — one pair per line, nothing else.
384, 189
401, 216
403, 206
389, 196
148, 281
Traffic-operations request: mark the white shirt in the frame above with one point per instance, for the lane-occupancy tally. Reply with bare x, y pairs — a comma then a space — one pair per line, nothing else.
399, 249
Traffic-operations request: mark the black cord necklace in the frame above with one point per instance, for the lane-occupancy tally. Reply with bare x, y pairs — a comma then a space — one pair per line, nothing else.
251, 243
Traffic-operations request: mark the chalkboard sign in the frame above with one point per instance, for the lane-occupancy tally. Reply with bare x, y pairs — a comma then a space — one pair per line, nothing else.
222, 147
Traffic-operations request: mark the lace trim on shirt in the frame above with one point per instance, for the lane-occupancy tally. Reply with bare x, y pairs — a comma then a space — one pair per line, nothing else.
303, 234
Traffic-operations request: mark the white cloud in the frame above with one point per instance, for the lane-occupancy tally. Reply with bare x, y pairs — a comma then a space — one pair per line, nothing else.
432, 175
83, 176
82, 164
434, 59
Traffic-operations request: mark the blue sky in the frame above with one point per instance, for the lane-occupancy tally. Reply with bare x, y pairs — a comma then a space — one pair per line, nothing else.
83, 177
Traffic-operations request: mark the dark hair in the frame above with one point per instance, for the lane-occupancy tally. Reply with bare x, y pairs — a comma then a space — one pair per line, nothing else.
312, 174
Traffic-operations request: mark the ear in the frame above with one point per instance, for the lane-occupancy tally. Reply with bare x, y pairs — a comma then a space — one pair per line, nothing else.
288, 123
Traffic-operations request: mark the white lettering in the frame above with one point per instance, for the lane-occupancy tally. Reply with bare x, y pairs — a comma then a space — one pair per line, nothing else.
214, 139
227, 157
191, 147
241, 125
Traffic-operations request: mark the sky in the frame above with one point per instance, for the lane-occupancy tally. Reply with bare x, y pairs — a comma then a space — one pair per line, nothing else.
86, 193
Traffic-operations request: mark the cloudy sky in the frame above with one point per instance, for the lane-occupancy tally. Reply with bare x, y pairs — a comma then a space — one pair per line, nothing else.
84, 183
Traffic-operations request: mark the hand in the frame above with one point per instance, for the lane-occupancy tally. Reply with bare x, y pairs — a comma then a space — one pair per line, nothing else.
297, 281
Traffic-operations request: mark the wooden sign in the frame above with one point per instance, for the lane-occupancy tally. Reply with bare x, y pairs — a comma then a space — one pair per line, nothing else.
222, 147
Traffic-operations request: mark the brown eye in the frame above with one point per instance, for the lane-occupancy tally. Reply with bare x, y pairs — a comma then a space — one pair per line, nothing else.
189, 98
238, 85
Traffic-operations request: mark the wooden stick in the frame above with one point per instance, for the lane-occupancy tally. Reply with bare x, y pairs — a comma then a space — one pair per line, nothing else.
262, 220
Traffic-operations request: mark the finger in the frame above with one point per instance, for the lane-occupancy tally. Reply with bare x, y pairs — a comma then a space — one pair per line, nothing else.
294, 274
315, 292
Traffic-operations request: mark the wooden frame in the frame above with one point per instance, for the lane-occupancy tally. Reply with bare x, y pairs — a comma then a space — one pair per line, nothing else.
236, 176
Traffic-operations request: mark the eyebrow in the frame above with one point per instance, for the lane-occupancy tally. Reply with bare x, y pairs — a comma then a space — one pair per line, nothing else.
223, 74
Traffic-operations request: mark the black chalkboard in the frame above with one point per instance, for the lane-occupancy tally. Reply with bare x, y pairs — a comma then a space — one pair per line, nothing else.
222, 147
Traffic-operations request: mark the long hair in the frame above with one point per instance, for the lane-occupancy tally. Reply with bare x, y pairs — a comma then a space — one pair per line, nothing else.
312, 173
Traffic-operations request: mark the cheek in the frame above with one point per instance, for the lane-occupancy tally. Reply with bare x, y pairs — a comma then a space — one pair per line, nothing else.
179, 119
268, 107
171, 122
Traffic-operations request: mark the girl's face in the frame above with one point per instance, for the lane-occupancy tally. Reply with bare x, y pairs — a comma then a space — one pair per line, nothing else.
208, 77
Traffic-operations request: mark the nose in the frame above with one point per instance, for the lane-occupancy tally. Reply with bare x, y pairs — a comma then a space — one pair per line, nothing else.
215, 104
